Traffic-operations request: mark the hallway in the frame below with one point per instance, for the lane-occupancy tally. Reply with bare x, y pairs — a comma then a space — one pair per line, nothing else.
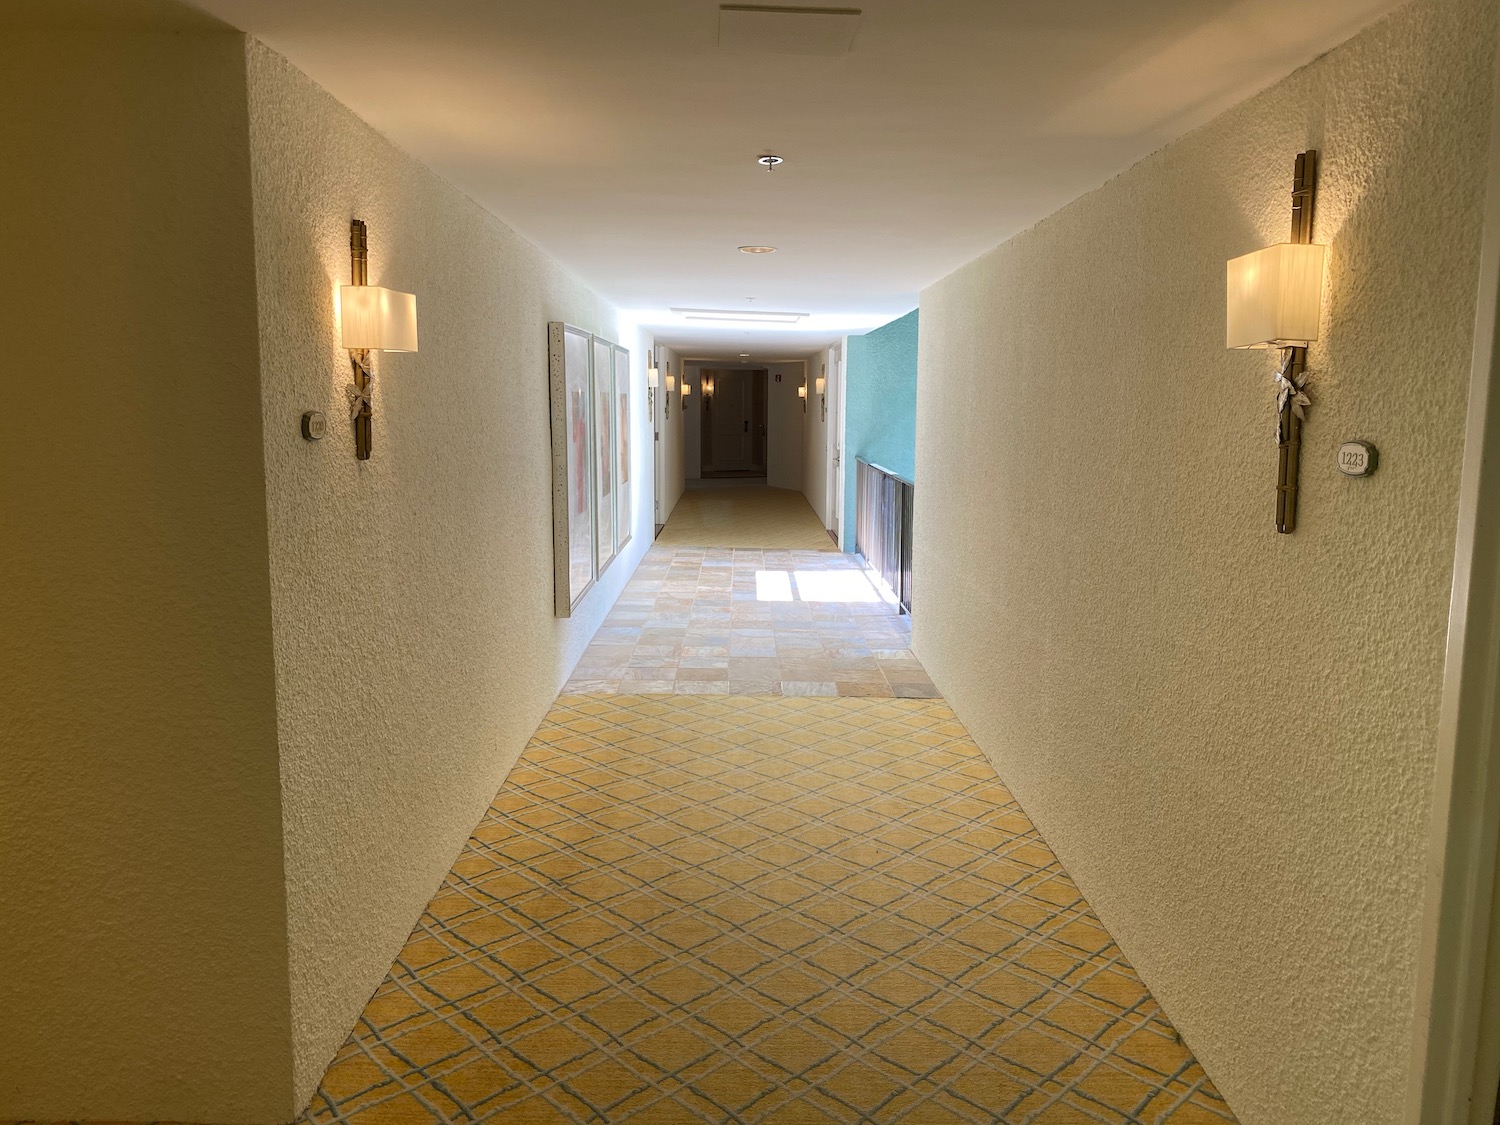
432, 684
753, 869
700, 908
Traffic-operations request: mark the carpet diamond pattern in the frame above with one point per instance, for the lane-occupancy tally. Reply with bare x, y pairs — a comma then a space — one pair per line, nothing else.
716, 909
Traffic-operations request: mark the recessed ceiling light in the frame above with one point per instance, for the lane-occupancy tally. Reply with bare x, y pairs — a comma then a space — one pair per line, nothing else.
745, 316
744, 355
769, 161
757, 249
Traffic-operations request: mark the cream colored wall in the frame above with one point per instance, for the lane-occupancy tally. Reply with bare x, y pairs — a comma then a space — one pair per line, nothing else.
815, 435
143, 936
670, 428
1226, 734
785, 425
690, 418
416, 648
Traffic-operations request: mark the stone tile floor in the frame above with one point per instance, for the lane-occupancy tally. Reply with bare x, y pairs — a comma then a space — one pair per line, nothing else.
752, 621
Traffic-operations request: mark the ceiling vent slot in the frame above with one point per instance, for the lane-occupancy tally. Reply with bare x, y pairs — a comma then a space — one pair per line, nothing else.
761, 30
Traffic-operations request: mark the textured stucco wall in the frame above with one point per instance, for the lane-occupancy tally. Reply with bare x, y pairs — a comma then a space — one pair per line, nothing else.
690, 418
815, 438
670, 463
785, 422
880, 412
1225, 733
142, 932
416, 648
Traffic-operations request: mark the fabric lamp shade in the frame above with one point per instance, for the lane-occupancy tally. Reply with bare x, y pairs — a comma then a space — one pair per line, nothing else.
687, 389
1273, 296
376, 319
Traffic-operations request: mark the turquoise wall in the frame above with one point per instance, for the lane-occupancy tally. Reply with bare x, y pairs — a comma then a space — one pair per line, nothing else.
880, 407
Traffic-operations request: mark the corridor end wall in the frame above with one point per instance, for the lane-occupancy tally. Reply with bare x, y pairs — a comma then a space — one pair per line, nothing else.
1226, 734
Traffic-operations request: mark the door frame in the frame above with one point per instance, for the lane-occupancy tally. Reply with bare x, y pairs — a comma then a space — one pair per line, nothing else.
836, 443
653, 397
1454, 1064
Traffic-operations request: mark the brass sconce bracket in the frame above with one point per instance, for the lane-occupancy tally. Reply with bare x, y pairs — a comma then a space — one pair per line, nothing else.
1293, 374
359, 358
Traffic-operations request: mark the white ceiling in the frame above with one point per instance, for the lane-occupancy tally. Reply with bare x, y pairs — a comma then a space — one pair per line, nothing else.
619, 137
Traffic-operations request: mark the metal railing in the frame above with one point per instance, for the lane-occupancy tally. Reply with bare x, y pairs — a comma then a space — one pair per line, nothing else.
882, 527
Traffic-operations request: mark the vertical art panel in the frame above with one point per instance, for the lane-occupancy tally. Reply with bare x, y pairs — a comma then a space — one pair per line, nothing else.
572, 476
624, 506
603, 378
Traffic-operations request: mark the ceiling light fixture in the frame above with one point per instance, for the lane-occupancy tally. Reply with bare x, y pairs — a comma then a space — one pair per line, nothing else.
757, 249
769, 161
741, 316
744, 355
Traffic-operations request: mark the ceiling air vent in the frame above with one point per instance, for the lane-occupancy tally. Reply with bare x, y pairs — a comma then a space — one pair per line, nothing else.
761, 30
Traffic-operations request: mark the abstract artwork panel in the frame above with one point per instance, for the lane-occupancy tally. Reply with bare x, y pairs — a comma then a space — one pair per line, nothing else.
604, 452
573, 525
624, 507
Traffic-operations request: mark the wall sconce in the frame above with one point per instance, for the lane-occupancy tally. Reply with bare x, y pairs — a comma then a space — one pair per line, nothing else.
687, 389
666, 405
802, 393
1273, 298
822, 389
371, 319
653, 377
708, 387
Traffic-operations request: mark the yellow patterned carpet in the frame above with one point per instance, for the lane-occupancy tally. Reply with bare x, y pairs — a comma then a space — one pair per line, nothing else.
734, 516
714, 909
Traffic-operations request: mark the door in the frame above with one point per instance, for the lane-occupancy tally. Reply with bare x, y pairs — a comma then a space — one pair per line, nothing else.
836, 447
734, 423
652, 399
729, 423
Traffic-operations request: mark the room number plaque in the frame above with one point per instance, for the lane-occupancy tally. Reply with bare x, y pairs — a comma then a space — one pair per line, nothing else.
1356, 458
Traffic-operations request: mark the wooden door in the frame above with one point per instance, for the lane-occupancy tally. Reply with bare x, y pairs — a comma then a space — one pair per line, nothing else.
730, 422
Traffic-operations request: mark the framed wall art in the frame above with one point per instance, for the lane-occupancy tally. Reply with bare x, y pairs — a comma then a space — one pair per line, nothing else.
568, 355
624, 509
589, 379
602, 371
